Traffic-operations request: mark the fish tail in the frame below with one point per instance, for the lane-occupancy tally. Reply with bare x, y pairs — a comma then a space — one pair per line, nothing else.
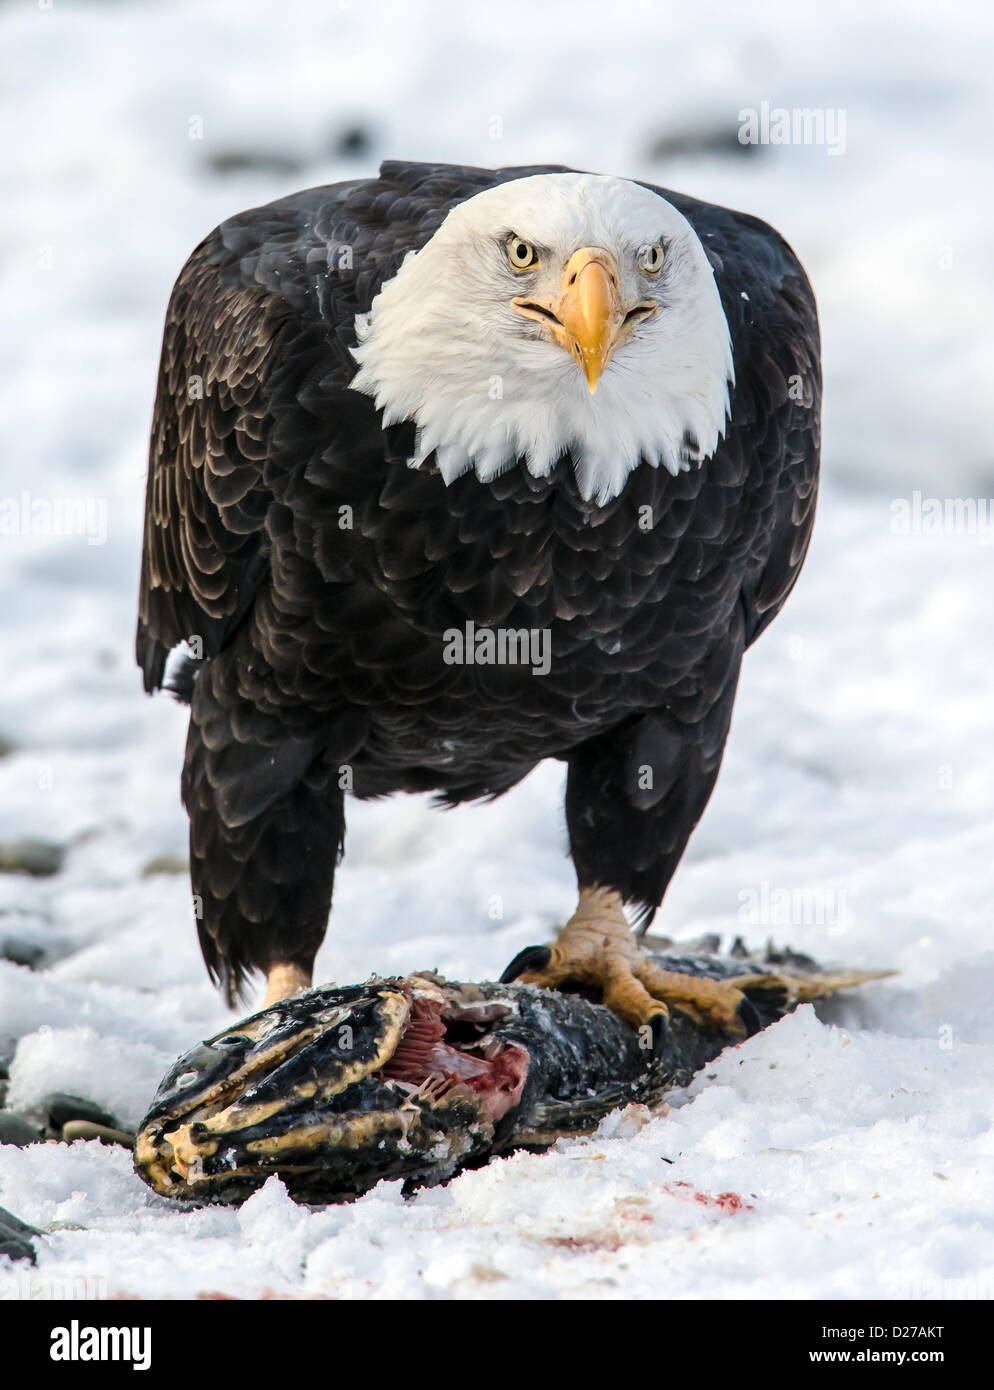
780, 991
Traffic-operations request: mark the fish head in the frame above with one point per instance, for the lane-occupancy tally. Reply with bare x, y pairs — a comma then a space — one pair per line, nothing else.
334, 1090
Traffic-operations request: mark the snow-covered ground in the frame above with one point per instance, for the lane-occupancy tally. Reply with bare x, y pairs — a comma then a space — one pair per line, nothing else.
854, 817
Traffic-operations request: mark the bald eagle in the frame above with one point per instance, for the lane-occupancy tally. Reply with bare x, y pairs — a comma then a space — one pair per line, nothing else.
454, 470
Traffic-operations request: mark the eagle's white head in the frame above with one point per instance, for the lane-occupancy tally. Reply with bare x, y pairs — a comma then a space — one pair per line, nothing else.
557, 312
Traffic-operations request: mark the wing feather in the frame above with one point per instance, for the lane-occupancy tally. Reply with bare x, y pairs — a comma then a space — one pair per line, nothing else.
206, 499
776, 403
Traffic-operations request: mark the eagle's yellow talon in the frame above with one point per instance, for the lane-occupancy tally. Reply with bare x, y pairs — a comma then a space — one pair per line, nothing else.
710, 1001
596, 950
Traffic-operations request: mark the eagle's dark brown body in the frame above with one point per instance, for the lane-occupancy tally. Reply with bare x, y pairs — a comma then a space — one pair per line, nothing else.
315, 573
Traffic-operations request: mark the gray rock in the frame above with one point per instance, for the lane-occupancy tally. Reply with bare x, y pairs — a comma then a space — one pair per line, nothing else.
61, 1108
85, 1129
352, 142
14, 1129
695, 142
254, 161
16, 1237
166, 864
40, 858
22, 952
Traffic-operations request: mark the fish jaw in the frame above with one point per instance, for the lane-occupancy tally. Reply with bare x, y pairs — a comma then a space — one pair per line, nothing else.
335, 1090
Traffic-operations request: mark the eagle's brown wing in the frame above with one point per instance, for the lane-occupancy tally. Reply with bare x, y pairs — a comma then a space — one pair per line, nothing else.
776, 403
205, 503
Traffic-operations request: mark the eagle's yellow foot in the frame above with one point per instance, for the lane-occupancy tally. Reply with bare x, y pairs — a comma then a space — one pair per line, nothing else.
284, 981
596, 950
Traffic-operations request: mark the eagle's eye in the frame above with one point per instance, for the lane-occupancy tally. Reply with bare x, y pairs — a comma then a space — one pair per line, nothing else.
521, 254
650, 258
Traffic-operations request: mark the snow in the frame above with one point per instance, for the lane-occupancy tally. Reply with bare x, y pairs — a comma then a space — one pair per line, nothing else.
853, 817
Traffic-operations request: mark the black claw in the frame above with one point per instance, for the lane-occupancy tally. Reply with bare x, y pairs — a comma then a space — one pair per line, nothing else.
660, 1035
748, 1016
531, 958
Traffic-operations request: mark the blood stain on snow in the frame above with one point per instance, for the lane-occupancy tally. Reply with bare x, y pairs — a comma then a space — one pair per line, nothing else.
724, 1201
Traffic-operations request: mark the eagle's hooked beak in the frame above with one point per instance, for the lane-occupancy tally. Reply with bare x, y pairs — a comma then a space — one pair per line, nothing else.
589, 317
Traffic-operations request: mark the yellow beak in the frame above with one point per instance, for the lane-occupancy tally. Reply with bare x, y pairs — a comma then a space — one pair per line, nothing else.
588, 318
590, 310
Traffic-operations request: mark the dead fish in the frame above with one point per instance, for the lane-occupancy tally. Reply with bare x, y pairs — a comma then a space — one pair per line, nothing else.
419, 1077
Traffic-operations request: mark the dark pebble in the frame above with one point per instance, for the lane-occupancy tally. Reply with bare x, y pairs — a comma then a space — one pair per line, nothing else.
714, 141
165, 864
352, 143
61, 1108
226, 162
16, 1130
16, 1237
21, 952
85, 1129
40, 858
